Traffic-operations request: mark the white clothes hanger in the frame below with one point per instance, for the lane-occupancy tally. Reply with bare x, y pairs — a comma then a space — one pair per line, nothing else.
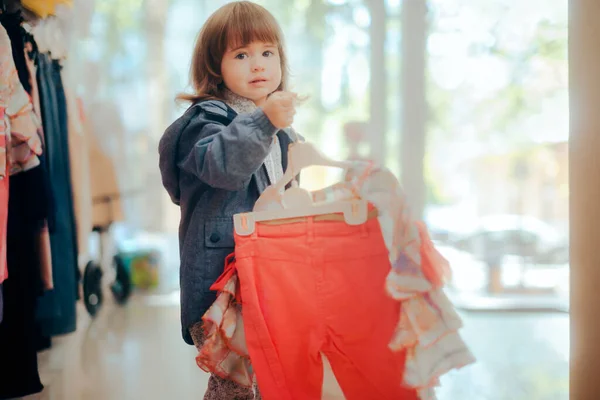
296, 202
302, 155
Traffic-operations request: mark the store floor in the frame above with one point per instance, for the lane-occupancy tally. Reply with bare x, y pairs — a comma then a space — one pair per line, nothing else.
134, 352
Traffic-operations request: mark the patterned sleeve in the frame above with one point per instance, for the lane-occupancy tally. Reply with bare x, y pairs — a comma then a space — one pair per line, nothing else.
20, 120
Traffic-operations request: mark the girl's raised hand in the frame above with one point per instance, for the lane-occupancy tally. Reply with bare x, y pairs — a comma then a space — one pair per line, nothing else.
280, 108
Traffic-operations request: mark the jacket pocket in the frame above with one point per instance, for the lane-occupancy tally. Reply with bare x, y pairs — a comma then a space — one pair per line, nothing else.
218, 244
218, 233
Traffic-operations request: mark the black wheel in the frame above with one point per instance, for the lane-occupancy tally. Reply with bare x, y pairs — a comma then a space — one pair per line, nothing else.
92, 288
121, 287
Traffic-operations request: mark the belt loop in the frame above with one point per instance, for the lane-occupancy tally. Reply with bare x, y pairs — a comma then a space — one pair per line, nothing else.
310, 230
364, 230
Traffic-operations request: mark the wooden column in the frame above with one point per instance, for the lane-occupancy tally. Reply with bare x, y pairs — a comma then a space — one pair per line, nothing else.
414, 102
378, 93
584, 172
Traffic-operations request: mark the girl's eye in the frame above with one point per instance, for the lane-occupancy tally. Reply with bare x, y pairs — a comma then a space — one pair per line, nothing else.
268, 53
241, 56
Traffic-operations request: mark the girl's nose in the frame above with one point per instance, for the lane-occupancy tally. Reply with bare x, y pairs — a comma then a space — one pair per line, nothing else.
258, 67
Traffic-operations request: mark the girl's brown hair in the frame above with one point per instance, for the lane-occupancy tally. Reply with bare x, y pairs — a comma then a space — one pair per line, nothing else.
234, 25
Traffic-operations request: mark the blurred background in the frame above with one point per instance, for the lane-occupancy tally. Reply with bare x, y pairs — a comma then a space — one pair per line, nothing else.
465, 100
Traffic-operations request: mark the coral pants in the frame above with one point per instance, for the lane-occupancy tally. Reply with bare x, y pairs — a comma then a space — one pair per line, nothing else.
318, 287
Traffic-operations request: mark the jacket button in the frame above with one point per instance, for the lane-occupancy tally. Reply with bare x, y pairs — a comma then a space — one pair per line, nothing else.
215, 237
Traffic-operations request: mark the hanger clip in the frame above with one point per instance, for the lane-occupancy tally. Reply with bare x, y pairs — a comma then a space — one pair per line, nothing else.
244, 224
356, 212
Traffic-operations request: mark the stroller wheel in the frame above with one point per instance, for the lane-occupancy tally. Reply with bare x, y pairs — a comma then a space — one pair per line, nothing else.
121, 287
92, 288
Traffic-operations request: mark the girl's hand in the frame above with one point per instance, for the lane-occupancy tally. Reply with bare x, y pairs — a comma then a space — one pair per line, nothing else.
280, 108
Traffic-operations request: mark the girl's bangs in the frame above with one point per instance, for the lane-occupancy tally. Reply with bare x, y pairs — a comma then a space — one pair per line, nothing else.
251, 26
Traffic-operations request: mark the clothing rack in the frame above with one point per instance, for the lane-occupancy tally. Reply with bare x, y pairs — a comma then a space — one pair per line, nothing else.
40, 236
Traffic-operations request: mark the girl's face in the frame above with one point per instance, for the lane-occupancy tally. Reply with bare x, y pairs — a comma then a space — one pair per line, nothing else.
252, 71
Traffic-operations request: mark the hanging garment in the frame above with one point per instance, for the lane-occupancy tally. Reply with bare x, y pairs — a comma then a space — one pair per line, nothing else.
18, 346
27, 210
303, 294
70, 296
19, 125
44, 235
427, 325
20, 122
56, 310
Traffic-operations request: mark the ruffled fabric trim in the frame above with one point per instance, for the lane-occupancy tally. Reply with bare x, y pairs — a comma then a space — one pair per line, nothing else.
428, 326
224, 352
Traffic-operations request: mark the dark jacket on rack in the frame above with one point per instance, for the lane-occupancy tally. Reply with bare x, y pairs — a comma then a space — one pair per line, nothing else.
56, 310
211, 162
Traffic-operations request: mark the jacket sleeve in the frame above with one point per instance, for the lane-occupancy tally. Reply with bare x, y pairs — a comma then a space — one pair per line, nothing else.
225, 157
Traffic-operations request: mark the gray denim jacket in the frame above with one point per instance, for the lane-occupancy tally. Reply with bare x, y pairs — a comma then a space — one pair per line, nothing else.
211, 163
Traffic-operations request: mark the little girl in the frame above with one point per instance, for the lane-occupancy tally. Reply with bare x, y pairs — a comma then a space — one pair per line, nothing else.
224, 151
